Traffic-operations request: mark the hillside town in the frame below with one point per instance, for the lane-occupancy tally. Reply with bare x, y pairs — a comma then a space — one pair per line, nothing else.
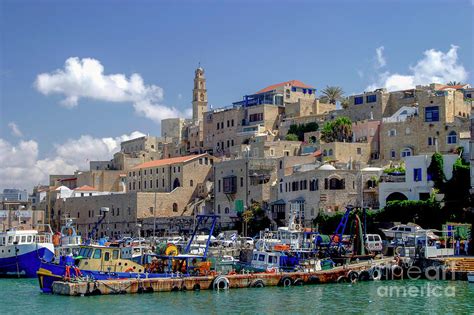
288, 148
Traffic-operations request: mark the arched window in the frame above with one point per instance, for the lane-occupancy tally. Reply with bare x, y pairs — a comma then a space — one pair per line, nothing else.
325, 153
452, 137
336, 184
313, 184
175, 207
226, 210
330, 152
191, 183
407, 152
176, 183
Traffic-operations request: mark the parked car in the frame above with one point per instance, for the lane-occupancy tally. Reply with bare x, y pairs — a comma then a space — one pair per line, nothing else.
374, 242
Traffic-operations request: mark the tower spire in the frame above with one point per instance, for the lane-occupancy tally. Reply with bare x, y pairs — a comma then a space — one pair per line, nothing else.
199, 94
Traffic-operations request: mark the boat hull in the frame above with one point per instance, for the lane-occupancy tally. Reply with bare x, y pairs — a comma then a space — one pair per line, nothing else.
470, 277
26, 261
49, 273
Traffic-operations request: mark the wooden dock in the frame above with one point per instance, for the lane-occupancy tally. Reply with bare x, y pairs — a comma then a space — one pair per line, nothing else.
217, 282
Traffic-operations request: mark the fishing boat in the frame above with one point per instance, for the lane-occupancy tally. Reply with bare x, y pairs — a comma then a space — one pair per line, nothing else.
21, 251
67, 241
110, 262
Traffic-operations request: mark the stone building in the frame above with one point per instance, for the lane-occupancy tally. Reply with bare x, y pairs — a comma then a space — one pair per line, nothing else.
346, 152
416, 183
308, 189
433, 124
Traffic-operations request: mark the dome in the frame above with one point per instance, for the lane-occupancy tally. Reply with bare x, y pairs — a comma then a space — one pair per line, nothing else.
327, 167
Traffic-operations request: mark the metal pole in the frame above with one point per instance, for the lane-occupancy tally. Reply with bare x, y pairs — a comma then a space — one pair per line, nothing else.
154, 218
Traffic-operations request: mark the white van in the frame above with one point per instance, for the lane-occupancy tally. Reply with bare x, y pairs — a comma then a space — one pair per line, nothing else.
374, 242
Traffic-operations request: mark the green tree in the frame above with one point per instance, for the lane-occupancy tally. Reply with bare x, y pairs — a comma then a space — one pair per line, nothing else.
436, 171
332, 94
301, 129
345, 102
339, 129
291, 137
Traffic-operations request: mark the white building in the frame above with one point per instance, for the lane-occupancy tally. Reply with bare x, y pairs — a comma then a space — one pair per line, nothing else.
415, 184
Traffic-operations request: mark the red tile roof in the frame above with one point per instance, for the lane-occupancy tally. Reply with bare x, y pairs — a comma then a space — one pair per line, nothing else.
179, 159
66, 179
295, 83
85, 188
456, 87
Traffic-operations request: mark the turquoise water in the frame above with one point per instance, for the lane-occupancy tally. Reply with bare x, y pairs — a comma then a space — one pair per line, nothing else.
22, 296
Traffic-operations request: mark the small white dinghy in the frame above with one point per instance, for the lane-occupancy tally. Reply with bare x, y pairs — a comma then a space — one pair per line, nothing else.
470, 277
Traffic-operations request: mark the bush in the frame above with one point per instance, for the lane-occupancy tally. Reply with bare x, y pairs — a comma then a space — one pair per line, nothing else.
291, 137
300, 130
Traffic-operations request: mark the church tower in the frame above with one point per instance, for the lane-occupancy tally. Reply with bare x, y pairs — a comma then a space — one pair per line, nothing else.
199, 95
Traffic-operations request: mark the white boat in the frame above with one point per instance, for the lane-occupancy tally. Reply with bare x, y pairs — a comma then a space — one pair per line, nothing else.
470, 277
21, 251
410, 230
67, 242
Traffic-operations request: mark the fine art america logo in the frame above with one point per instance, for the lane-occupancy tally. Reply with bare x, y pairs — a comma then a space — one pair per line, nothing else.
396, 272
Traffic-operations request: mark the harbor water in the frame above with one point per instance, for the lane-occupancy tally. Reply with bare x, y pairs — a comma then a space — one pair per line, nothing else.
22, 296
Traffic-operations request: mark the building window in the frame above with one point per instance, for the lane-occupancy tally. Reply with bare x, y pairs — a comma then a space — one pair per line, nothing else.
430, 141
359, 151
335, 184
358, 100
392, 132
313, 184
175, 207
241, 182
256, 117
371, 98
226, 210
330, 152
293, 89
452, 137
218, 125
417, 174
232, 123
392, 154
151, 184
219, 185
407, 152
144, 184
230, 185
191, 183
281, 164
218, 209
432, 113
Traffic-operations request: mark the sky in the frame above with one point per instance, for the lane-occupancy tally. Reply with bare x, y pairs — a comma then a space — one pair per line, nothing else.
78, 77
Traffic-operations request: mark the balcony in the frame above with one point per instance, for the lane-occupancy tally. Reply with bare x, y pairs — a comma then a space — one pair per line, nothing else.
393, 178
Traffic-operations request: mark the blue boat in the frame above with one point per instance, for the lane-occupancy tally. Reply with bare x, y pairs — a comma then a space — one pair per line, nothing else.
108, 262
21, 252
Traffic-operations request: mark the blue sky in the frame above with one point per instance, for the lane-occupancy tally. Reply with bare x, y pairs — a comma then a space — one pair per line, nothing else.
243, 47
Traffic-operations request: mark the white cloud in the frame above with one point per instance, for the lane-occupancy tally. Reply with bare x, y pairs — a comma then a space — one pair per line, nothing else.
15, 129
21, 167
435, 67
180, 96
381, 62
85, 78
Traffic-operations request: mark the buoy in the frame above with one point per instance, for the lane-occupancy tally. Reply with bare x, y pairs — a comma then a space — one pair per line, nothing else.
376, 273
353, 275
285, 282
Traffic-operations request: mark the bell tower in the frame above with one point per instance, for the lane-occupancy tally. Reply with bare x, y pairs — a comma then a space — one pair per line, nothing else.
199, 95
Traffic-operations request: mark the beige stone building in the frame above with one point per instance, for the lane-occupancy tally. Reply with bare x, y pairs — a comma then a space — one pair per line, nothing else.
346, 152
433, 124
308, 189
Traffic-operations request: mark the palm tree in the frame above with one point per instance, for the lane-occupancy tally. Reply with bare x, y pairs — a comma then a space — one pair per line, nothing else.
339, 130
332, 94
452, 83
345, 102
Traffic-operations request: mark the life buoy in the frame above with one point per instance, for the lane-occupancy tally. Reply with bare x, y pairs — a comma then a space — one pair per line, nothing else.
342, 279
353, 275
364, 275
129, 269
285, 282
271, 270
376, 274
221, 283
257, 284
